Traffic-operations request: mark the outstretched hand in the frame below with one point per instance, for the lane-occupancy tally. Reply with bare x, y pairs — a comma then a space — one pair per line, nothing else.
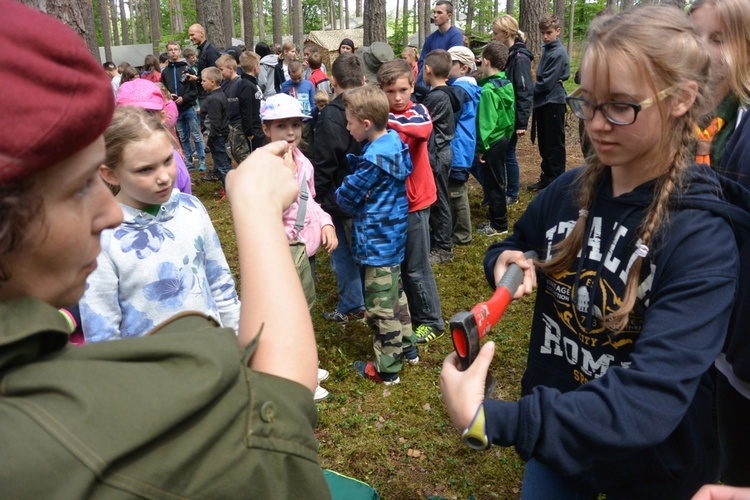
264, 178
463, 392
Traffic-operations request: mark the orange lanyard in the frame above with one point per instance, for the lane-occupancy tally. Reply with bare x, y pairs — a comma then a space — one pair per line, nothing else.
705, 136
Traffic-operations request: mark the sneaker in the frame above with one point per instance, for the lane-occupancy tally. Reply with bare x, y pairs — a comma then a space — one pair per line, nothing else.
510, 201
202, 167
411, 354
320, 394
483, 225
427, 334
491, 231
439, 256
344, 318
367, 370
210, 177
221, 195
323, 375
538, 186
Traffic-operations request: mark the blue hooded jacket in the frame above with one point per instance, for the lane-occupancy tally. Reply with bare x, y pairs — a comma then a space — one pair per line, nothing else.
375, 193
628, 414
464, 143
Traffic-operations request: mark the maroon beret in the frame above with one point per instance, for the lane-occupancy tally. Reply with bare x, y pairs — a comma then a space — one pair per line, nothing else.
56, 98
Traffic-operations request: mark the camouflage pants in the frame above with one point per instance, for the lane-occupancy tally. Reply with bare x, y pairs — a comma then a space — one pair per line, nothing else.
238, 143
388, 317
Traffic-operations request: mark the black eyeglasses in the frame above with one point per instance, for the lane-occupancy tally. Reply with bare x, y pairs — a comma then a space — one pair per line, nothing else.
616, 112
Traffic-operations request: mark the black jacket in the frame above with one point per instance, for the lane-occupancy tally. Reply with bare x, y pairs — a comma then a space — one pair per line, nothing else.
255, 128
332, 143
215, 114
518, 71
207, 56
170, 77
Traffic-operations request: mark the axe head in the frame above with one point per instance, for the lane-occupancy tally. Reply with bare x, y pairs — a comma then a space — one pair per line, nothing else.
465, 337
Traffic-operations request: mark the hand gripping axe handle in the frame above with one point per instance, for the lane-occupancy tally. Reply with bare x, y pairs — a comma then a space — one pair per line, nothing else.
468, 328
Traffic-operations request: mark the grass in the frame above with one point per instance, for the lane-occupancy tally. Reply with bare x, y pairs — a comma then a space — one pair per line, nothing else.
399, 439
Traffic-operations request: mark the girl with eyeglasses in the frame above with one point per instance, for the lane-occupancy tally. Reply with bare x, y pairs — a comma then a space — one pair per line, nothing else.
724, 140
636, 279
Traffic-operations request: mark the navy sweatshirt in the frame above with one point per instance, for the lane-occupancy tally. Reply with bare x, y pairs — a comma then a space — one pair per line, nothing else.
629, 414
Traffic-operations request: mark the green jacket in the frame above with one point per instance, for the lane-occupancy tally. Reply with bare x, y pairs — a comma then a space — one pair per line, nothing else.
173, 415
496, 112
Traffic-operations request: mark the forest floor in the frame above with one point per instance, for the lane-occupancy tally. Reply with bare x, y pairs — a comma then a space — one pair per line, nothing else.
399, 439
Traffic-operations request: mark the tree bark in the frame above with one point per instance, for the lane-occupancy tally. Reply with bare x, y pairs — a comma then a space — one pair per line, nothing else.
277, 21
297, 19
248, 23
261, 22
358, 8
405, 22
76, 14
155, 16
104, 25
124, 24
346, 12
227, 10
374, 22
113, 18
420, 22
427, 13
495, 9
146, 19
212, 17
470, 15
510, 7
341, 12
529, 16
559, 11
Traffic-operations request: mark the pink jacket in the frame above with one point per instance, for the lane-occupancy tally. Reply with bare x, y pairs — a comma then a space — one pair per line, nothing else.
315, 216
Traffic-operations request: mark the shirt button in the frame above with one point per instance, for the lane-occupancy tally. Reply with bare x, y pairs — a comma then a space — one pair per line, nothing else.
268, 411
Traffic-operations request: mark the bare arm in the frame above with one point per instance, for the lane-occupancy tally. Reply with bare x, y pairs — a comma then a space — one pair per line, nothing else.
259, 190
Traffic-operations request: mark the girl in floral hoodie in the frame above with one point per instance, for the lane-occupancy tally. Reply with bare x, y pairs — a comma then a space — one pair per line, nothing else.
165, 257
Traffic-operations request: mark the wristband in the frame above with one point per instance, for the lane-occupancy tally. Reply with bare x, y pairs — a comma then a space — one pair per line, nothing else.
475, 435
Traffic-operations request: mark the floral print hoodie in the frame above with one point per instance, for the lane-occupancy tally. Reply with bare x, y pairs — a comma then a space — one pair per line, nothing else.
153, 267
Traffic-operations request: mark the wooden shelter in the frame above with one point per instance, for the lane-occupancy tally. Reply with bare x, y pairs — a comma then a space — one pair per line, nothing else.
329, 41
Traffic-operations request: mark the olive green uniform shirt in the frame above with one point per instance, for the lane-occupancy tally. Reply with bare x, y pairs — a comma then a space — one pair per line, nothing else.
173, 415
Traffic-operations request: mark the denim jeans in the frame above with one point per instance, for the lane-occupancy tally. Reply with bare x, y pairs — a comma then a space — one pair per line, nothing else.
348, 275
511, 168
541, 483
416, 273
187, 127
218, 146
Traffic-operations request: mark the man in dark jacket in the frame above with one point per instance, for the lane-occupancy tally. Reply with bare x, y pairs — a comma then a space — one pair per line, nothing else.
177, 77
331, 166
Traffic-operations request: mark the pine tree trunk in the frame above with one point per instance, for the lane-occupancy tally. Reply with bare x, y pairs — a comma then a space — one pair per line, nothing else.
212, 17
146, 19
495, 9
277, 21
76, 14
510, 7
341, 12
104, 25
113, 18
124, 24
261, 22
374, 22
227, 11
427, 13
531, 12
358, 8
155, 16
470, 15
298, 28
248, 23
346, 12
559, 11
405, 22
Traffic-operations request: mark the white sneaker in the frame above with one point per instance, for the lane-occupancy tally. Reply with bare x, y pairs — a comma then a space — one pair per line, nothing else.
323, 375
320, 394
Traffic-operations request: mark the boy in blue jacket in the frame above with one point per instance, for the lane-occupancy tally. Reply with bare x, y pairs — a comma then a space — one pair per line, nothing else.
375, 193
549, 102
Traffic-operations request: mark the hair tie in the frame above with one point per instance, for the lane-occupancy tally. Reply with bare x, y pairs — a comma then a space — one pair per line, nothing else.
583, 213
641, 251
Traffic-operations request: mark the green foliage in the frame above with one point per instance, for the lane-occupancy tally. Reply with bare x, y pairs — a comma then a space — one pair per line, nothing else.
585, 12
396, 39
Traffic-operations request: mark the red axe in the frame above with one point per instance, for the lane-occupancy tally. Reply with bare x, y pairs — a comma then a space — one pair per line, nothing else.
468, 328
